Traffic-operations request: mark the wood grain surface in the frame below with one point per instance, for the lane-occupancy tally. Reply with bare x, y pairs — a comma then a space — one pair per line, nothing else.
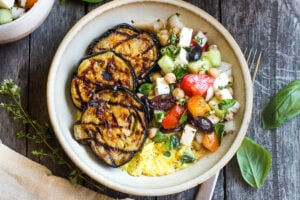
268, 25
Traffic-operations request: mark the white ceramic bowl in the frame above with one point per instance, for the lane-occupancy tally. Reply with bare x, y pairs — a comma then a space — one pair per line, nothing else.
62, 112
27, 23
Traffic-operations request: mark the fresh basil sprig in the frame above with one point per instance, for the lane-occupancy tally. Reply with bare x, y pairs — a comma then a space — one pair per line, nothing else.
254, 162
283, 106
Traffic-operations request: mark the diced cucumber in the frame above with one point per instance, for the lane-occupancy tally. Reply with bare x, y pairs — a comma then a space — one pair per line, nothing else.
166, 64
201, 66
5, 16
214, 104
214, 56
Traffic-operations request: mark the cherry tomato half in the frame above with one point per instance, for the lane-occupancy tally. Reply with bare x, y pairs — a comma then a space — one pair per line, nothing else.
196, 84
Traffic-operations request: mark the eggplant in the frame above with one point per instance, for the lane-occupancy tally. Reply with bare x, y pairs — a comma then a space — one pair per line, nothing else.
139, 47
96, 71
114, 123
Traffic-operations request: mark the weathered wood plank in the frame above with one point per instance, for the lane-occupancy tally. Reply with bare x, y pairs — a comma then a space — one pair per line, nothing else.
272, 27
14, 65
44, 42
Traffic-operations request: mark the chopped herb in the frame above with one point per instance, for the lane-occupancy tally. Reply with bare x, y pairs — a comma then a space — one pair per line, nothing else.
225, 104
170, 51
167, 153
171, 88
159, 115
198, 39
145, 88
160, 137
187, 158
183, 118
181, 101
174, 142
180, 71
173, 38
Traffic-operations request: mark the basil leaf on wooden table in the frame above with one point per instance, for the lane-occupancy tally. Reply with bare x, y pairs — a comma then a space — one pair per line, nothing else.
283, 106
254, 162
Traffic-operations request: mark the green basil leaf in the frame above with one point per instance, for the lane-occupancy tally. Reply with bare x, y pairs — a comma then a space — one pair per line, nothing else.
219, 130
145, 88
187, 158
254, 162
283, 106
183, 118
225, 104
160, 137
159, 115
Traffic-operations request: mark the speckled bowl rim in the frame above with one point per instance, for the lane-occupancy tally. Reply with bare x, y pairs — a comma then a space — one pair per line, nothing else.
176, 188
27, 23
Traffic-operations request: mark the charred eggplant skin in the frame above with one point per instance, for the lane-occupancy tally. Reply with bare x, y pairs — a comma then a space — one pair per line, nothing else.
122, 38
94, 72
115, 125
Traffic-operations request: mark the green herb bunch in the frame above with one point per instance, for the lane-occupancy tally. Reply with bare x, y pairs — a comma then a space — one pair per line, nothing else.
41, 133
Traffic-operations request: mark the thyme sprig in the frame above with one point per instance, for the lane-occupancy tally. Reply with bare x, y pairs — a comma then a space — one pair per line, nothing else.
41, 134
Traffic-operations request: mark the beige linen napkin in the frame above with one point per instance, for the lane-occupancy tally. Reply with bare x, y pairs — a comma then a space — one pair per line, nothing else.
23, 179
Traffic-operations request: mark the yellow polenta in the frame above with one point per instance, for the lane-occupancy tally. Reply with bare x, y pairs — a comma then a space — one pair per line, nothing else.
152, 160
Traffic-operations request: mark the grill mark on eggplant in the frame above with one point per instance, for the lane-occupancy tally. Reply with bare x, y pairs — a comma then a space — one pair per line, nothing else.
115, 125
123, 38
98, 71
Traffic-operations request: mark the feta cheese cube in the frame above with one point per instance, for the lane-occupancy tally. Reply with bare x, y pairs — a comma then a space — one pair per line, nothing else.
188, 135
221, 81
162, 87
223, 94
6, 3
213, 118
209, 93
185, 37
181, 58
229, 126
225, 68
235, 107
200, 38
17, 12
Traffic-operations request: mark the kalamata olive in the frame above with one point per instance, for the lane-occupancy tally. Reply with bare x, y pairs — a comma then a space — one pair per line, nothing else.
162, 102
195, 53
203, 124
177, 129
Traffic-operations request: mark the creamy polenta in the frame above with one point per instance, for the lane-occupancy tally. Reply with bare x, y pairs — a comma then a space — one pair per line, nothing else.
154, 160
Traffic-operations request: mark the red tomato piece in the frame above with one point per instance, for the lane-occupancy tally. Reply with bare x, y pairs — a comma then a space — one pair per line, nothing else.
196, 84
205, 47
172, 117
193, 43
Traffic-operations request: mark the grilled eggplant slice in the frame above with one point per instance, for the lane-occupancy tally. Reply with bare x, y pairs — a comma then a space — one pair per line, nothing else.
94, 72
115, 124
139, 47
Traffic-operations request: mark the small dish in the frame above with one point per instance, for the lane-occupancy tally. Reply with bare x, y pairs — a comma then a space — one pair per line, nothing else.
27, 23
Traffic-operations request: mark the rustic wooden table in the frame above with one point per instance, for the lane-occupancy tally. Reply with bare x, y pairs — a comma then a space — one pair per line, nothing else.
269, 25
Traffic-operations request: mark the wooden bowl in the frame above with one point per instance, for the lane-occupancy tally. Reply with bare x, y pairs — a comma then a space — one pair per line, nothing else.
141, 12
27, 23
